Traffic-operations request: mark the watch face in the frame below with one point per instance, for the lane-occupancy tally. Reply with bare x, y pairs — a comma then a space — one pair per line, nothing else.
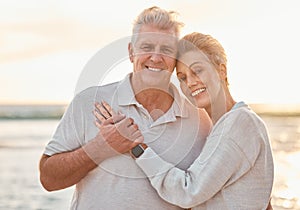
137, 151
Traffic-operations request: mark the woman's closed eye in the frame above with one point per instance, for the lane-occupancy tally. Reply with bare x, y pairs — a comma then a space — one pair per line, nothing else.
181, 77
197, 70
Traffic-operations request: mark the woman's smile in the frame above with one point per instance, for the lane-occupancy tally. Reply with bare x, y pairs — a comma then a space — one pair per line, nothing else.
198, 91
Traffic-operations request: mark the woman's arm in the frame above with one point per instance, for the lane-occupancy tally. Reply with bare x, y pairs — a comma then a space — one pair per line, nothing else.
210, 172
202, 180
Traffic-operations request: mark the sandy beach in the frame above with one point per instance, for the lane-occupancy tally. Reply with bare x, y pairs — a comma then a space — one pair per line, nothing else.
22, 142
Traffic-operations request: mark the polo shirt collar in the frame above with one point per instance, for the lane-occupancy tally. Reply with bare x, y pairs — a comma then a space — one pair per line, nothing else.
179, 105
125, 92
126, 97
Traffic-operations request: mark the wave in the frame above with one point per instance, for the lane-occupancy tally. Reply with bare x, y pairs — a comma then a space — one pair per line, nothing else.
31, 111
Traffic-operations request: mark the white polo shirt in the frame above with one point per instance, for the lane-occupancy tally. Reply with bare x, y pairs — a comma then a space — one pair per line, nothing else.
118, 183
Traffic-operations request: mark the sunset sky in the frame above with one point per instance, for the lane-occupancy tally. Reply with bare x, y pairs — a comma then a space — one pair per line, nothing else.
45, 45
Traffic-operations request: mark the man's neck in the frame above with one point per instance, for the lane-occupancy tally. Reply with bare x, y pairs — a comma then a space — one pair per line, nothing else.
154, 94
157, 102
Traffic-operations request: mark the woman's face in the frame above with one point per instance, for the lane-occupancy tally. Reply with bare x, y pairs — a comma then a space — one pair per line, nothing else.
199, 79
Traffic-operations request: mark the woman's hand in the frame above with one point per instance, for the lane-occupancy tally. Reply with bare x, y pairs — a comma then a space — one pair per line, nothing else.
121, 133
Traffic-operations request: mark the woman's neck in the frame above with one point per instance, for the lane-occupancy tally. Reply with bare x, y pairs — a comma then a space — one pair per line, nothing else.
219, 107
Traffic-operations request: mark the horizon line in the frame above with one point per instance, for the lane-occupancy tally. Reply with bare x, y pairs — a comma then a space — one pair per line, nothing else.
273, 109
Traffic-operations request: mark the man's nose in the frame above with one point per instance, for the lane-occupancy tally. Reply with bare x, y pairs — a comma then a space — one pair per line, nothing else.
156, 57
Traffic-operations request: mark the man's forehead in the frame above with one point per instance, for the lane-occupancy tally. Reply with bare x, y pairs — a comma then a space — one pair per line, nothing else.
156, 38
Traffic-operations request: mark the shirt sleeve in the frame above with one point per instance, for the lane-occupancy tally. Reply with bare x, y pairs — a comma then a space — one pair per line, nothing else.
69, 132
216, 165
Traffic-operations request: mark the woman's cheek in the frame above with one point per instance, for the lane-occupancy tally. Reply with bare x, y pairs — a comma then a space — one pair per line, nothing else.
184, 89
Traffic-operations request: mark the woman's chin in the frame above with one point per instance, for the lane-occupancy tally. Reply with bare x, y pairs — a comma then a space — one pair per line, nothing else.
195, 103
198, 101
201, 104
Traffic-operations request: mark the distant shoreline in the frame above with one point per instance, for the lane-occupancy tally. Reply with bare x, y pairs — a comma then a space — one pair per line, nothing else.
55, 111
36, 111
285, 110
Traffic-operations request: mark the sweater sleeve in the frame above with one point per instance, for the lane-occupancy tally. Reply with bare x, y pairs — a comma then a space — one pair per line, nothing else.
216, 165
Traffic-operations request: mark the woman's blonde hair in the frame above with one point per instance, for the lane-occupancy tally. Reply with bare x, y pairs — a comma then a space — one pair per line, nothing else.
207, 44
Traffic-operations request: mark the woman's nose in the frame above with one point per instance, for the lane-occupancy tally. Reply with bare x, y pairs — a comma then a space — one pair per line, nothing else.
191, 80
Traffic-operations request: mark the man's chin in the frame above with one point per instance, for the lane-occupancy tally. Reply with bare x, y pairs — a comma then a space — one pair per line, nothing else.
161, 78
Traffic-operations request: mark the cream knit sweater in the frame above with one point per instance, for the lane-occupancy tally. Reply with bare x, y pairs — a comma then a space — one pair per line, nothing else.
234, 170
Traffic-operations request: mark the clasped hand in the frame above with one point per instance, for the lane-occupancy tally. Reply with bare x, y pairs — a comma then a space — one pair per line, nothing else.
120, 132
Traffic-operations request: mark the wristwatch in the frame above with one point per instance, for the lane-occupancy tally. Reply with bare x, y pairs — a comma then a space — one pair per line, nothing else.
138, 150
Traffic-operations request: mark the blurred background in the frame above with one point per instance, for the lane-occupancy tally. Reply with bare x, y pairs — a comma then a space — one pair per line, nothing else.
45, 45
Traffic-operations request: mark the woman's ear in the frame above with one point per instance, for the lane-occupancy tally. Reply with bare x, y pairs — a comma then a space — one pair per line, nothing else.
130, 52
223, 72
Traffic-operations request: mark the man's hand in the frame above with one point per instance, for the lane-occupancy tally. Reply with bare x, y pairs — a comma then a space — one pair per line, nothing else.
269, 206
119, 132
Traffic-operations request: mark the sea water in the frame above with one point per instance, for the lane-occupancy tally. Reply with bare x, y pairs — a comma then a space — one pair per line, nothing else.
21, 146
23, 137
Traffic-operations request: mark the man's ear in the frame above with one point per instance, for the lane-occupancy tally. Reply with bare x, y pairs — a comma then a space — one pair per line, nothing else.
130, 52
